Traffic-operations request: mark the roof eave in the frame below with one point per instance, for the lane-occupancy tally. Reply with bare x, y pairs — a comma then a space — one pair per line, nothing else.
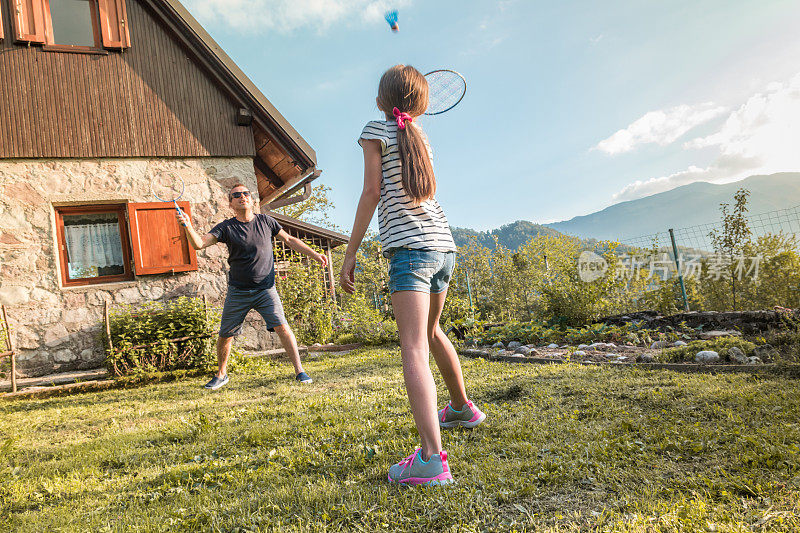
264, 113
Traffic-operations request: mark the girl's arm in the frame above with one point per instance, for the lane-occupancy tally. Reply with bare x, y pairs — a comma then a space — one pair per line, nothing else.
370, 196
299, 246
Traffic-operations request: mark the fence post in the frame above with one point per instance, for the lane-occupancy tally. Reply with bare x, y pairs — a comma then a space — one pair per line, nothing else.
680, 272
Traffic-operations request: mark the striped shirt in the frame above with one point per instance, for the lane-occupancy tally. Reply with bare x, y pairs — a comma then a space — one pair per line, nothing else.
401, 223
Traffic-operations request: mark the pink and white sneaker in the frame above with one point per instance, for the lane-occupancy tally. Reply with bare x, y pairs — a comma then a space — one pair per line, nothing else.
469, 416
414, 471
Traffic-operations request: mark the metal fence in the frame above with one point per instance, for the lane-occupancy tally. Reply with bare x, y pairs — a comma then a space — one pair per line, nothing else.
697, 239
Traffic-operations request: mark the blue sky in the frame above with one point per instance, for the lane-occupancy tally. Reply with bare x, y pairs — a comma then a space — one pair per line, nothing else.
571, 106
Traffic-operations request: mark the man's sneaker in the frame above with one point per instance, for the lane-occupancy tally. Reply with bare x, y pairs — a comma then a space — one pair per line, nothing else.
414, 471
216, 382
302, 377
469, 416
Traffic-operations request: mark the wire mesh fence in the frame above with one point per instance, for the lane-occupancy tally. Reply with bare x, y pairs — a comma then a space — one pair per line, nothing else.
697, 239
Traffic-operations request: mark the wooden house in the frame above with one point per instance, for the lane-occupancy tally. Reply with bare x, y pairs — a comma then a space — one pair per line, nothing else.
97, 99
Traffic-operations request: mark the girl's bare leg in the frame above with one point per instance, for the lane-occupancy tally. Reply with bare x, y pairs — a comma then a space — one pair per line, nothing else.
411, 311
444, 354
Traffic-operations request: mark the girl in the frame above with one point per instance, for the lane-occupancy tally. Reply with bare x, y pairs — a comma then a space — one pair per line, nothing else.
415, 236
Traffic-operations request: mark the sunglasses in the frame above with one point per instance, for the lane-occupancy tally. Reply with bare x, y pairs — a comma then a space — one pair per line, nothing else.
239, 194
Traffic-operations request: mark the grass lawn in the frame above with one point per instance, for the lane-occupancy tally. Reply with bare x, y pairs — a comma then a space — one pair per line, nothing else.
564, 448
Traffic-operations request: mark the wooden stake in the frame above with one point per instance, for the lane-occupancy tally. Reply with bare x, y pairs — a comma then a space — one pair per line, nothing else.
108, 326
10, 351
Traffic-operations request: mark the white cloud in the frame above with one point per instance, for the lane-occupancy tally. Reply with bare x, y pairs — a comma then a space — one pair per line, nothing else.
662, 127
288, 15
758, 138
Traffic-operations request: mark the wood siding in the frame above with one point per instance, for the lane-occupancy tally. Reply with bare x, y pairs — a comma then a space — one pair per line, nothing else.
151, 100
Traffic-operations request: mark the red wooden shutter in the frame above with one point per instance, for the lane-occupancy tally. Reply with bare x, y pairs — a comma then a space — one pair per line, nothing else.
159, 241
114, 24
28, 17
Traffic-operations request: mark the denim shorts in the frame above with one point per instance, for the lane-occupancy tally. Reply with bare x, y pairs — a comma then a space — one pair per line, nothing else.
239, 302
420, 270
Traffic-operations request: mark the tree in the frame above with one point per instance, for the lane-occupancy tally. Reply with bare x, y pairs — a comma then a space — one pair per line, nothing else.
315, 210
730, 243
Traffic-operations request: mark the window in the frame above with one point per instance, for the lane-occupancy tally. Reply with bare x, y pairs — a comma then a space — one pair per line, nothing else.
160, 245
71, 25
93, 244
74, 23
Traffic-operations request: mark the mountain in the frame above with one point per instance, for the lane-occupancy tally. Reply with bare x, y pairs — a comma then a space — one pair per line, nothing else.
511, 236
688, 205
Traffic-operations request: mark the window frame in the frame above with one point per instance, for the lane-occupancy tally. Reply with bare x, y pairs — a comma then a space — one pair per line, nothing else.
61, 242
51, 46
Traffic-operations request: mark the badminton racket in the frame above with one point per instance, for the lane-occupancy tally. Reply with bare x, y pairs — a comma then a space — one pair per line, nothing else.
446, 88
168, 188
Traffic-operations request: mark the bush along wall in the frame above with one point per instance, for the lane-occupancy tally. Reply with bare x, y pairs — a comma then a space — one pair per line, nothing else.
160, 336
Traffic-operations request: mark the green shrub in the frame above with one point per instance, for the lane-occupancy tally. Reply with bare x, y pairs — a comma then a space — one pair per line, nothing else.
721, 346
359, 321
306, 302
141, 337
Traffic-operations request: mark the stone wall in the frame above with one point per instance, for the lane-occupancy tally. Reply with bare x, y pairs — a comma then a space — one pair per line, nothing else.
56, 328
747, 322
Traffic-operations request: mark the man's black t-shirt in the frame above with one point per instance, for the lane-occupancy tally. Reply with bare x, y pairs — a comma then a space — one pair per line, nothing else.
249, 250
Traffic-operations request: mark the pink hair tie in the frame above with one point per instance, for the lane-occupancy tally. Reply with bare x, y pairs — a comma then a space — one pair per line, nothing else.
401, 118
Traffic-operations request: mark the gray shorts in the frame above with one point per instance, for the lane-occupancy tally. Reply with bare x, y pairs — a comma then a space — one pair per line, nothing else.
239, 302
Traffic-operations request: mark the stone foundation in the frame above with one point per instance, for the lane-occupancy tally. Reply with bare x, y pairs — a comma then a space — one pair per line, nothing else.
57, 328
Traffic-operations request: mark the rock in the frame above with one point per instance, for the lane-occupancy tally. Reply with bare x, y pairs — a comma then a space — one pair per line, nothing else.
498, 345
14, 295
524, 350
754, 360
678, 344
128, 296
517, 355
610, 345
552, 346
766, 352
75, 316
533, 352
706, 356
647, 358
582, 346
736, 355
56, 335
612, 355
709, 335
44, 297
596, 345
87, 354
26, 338
579, 352
513, 345
659, 345
64, 356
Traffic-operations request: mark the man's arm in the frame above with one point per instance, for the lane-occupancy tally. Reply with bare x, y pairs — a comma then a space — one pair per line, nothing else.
195, 240
299, 246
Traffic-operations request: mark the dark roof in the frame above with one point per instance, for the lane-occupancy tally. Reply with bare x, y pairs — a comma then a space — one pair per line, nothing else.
218, 62
336, 238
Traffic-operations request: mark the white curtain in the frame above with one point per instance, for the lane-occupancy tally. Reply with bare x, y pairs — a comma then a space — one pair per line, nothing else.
93, 245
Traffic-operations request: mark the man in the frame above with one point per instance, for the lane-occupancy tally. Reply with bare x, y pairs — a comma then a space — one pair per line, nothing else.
251, 280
